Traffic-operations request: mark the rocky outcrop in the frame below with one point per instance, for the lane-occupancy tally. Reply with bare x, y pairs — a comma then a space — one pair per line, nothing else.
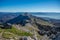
26, 38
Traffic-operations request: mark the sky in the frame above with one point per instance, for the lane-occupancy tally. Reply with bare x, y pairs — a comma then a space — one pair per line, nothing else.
29, 5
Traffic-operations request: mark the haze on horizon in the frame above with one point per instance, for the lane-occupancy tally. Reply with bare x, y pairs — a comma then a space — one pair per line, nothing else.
29, 6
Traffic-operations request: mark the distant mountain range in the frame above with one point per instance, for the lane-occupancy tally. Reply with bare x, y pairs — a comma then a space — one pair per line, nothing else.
7, 16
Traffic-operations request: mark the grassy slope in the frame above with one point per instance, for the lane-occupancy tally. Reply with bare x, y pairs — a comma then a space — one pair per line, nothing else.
7, 33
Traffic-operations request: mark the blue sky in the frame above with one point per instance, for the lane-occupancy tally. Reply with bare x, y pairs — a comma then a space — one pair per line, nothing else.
29, 5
